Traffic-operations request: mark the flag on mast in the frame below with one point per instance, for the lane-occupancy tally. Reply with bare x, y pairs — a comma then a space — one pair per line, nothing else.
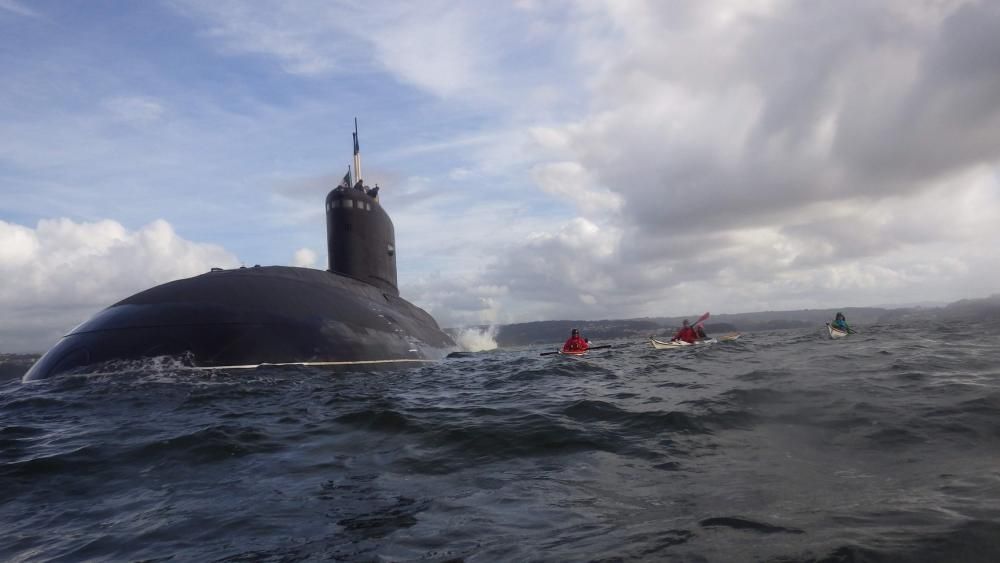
357, 153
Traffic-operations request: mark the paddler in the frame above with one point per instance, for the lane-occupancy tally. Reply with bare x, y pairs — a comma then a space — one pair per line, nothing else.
686, 333
575, 342
840, 323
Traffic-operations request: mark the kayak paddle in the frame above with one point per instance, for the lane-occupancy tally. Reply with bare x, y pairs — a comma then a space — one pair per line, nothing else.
603, 346
700, 320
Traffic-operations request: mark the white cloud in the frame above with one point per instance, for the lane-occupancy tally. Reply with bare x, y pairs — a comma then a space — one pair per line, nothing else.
61, 272
472, 54
457, 301
433, 47
15, 7
749, 155
775, 153
572, 183
308, 39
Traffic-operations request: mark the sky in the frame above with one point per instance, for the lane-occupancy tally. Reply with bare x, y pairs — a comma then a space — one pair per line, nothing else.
556, 159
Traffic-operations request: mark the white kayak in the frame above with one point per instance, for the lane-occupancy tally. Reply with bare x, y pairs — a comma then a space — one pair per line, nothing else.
672, 344
835, 332
730, 336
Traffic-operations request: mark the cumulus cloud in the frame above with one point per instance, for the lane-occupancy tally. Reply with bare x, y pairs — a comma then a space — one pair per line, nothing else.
571, 182
745, 155
61, 272
771, 154
457, 301
811, 104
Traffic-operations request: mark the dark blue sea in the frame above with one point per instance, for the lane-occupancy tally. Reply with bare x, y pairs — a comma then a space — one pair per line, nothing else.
780, 446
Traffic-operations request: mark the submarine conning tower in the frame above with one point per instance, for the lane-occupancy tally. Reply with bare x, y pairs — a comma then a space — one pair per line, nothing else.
360, 239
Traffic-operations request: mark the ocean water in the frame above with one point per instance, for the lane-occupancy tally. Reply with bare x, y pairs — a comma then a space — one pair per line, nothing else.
781, 446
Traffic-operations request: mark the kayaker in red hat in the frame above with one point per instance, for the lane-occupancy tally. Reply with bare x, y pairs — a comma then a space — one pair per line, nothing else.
686, 333
575, 343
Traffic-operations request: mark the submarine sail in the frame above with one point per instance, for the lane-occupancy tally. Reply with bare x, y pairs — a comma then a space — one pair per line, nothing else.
350, 314
360, 239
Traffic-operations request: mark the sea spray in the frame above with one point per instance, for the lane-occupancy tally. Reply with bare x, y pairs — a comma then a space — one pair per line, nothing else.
477, 339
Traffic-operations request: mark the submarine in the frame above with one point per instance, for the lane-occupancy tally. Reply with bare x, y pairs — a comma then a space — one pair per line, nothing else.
348, 315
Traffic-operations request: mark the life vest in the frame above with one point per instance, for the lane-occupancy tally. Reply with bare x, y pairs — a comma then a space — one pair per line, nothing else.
575, 344
687, 334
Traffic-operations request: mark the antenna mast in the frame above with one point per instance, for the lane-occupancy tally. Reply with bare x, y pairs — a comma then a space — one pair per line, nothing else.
357, 155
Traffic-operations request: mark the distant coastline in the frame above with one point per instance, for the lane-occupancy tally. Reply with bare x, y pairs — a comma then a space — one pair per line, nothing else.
547, 332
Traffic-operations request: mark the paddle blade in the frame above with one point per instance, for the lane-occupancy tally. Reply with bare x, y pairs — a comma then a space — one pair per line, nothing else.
700, 320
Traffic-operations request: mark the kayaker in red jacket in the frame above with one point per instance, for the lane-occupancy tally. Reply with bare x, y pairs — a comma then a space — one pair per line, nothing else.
575, 343
686, 333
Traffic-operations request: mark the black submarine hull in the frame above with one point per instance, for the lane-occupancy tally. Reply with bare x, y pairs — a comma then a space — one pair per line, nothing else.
250, 316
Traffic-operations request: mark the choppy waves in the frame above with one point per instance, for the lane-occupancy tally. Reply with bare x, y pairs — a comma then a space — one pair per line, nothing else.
780, 446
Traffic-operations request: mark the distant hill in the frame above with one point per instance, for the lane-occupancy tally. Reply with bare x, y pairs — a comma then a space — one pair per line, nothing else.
987, 309
966, 310
553, 332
